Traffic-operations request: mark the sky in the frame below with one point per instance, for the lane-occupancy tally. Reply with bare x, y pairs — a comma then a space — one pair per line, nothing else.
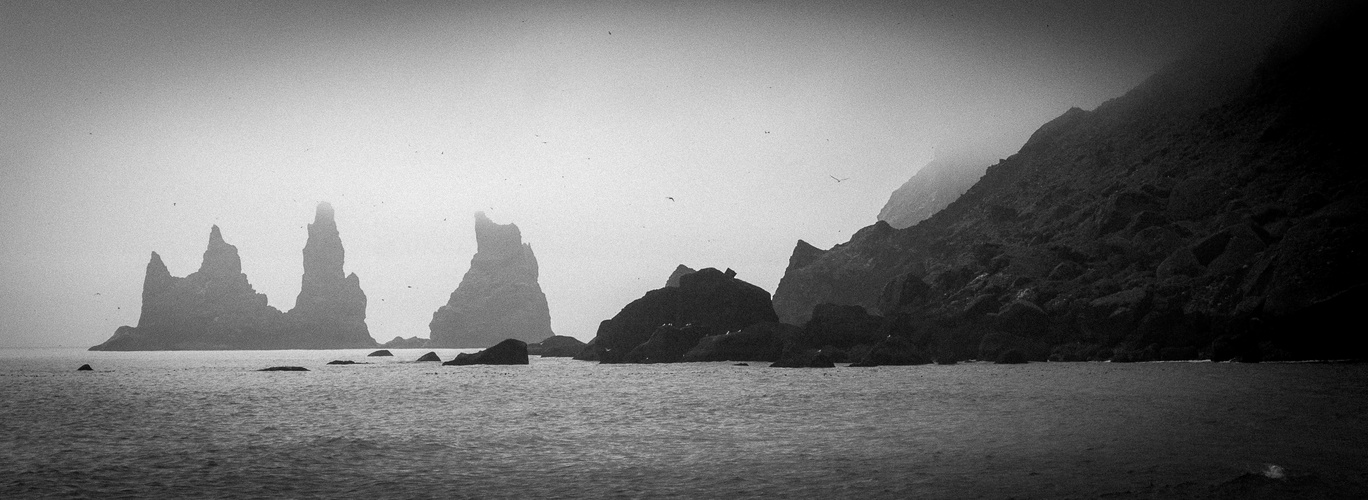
623, 138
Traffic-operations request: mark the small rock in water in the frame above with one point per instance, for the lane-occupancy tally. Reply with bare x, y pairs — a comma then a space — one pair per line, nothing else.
84, 368
430, 356
742, 364
341, 362
284, 369
382, 352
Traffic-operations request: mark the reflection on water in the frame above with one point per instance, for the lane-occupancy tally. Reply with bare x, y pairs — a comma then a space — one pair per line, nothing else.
176, 424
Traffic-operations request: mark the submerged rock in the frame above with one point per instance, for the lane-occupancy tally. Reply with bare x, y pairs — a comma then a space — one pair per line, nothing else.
498, 298
508, 352
284, 369
342, 362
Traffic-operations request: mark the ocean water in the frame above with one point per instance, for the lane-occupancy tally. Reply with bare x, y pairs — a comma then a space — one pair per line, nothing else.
208, 425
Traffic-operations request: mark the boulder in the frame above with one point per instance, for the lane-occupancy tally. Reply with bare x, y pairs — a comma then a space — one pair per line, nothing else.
893, 350
382, 352
556, 346
995, 345
810, 358
498, 298
757, 342
708, 299
668, 344
1011, 357
84, 368
841, 326
430, 356
508, 352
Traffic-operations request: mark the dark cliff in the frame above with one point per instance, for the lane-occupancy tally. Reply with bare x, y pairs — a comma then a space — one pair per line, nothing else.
1213, 211
498, 297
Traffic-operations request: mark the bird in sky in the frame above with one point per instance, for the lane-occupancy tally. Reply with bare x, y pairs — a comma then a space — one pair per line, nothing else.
838, 180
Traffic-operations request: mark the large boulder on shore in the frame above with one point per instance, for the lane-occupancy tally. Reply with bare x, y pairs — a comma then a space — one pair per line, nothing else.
508, 352
556, 346
707, 299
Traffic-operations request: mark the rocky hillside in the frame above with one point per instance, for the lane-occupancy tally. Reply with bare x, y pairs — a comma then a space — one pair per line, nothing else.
1213, 211
929, 190
499, 297
216, 307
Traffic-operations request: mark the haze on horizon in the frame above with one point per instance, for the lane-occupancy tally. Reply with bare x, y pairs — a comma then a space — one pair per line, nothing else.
622, 138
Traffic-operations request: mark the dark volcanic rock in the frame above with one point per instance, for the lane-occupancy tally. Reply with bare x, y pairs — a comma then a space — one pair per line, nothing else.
284, 369
810, 358
382, 352
1011, 357
668, 344
556, 346
893, 350
431, 356
681, 270
216, 308
508, 352
84, 368
708, 299
757, 342
840, 326
498, 298
1214, 207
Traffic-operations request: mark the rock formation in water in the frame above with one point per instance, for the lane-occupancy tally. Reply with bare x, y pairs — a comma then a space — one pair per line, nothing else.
707, 302
556, 346
1210, 212
929, 190
216, 308
508, 352
430, 356
406, 343
498, 298
331, 308
212, 308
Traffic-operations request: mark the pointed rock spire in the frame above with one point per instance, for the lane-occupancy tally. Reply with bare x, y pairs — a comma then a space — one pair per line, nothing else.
220, 258
498, 298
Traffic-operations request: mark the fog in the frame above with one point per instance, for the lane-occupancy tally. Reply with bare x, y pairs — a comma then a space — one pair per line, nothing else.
622, 138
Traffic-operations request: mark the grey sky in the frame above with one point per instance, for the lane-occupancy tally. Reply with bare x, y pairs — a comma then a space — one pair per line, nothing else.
131, 127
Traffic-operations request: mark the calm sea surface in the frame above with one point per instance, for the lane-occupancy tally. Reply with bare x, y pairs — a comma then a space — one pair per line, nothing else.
206, 424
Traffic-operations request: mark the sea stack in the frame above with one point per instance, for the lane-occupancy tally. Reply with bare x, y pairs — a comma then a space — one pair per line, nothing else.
331, 308
212, 308
498, 298
216, 308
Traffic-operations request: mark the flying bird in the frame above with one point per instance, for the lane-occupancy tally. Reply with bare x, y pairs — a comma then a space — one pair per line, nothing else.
838, 180
671, 198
